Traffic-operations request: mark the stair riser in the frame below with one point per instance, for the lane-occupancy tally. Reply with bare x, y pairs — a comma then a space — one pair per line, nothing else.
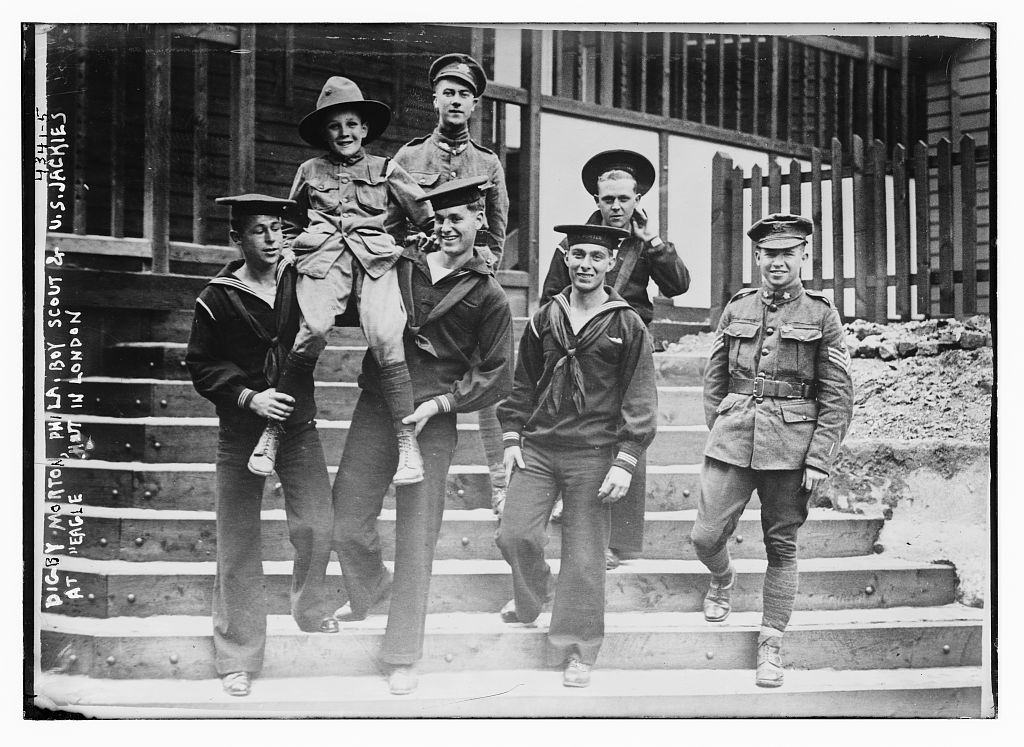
161, 444
140, 540
185, 594
194, 491
353, 652
341, 365
124, 400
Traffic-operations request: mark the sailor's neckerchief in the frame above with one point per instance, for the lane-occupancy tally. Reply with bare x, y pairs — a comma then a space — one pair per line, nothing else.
567, 376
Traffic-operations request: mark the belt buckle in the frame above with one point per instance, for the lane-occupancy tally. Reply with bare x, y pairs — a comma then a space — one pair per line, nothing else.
759, 386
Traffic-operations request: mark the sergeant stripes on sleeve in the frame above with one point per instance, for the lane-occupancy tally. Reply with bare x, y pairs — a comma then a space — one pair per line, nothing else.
841, 357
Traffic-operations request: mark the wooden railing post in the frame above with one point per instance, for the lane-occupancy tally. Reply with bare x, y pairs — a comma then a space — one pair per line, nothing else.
157, 152
838, 270
901, 230
242, 164
816, 242
736, 233
476, 51
946, 295
921, 210
200, 139
721, 219
861, 232
969, 225
529, 163
879, 234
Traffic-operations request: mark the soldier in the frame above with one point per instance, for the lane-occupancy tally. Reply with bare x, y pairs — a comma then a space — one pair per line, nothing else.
459, 350
778, 399
238, 318
447, 153
618, 179
583, 409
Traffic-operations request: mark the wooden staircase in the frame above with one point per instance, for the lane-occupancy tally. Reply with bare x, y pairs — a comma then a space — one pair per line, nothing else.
871, 635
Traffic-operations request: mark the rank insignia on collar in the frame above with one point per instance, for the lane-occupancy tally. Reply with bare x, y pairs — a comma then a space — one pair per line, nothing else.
767, 294
786, 296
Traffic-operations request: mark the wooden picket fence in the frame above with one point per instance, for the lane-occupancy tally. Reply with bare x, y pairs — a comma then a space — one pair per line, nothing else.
932, 251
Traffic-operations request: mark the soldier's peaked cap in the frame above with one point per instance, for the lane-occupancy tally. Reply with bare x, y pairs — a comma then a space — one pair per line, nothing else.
461, 67
341, 93
629, 161
589, 233
780, 231
456, 192
256, 204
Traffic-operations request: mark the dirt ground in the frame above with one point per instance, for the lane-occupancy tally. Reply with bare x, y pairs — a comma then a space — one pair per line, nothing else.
944, 396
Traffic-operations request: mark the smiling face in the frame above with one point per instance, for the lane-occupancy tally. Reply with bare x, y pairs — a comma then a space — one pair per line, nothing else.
616, 199
454, 102
588, 265
344, 131
456, 229
780, 268
259, 237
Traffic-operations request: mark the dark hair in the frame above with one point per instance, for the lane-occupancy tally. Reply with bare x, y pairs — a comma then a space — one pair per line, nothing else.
239, 222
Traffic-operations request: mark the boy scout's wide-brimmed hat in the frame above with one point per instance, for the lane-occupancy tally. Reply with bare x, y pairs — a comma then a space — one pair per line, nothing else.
780, 231
342, 93
461, 67
456, 192
629, 161
590, 233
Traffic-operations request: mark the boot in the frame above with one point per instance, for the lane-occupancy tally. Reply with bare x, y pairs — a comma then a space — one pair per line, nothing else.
769, 662
410, 463
264, 455
718, 600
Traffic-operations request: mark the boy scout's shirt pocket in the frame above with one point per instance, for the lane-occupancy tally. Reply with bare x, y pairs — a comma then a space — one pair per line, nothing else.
323, 195
805, 411
372, 197
742, 334
426, 179
799, 348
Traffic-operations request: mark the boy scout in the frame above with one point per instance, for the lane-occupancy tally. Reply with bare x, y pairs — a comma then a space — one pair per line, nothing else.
348, 203
458, 82
583, 409
459, 349
236, 321
778, 399
618, 179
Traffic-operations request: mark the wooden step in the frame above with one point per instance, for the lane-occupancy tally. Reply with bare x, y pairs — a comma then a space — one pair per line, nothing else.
139, 535
132, 398
191, 486
181, 647
949, 692
160, 360
120, 588
167, 439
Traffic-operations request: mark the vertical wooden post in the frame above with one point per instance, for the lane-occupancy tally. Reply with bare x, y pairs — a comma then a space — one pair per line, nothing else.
861, 232
774, 186
969, 225
774, 102
869, 91
500, 134
642, 73
476, 51
793, 133
755, 126
684, 78
816, 218
756, 210
663, 183
835, 132
607, 68
851, 69
704, 79
562, 85
922, 191
883, 103
288, 76
795, 196
880, 233
821, 100
117, 107
622, 83
200, 138
736, 232
242, 166
720, 41
946, 293
904, 114
901, 230
738, 86
721, 241
157, 150
666, 74
81, 132
838, 271
529, 159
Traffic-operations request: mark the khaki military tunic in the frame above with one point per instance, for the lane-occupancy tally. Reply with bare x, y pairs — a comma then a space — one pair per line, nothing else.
770, 343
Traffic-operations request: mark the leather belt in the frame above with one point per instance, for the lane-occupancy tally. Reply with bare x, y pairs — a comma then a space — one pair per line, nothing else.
762, 387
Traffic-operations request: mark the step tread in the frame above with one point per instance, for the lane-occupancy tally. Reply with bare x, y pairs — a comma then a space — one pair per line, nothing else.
448, 690
877, 563
488, 622
484, 515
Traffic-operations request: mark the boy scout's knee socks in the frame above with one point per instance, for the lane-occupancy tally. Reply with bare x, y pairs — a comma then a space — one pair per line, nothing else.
780, 587
719, 563
396, 386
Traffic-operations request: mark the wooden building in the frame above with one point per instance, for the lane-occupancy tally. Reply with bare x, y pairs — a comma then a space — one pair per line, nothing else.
164, 118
